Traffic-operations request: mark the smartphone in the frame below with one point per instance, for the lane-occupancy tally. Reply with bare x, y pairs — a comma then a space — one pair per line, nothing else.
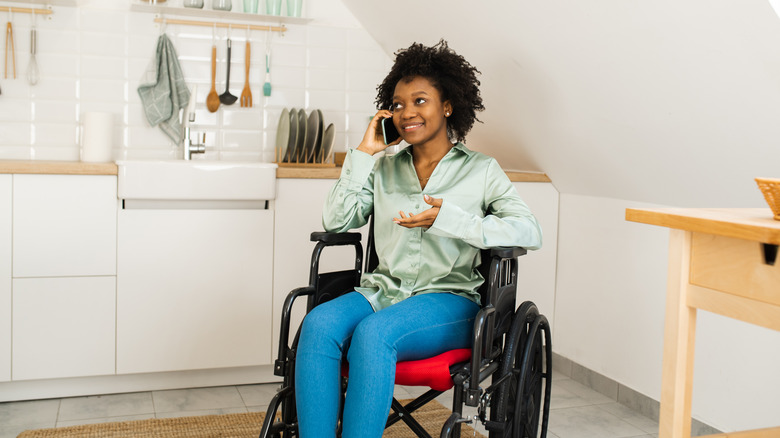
389, 132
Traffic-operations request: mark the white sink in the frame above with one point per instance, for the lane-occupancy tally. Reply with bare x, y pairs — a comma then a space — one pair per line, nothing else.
196, 180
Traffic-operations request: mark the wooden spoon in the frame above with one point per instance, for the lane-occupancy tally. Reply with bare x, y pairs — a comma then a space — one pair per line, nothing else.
212, 100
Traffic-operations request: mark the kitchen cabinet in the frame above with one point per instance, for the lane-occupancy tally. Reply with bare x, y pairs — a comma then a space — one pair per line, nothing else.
64, 267
64, 225
298, 208
194, 288
63, 327
537, 269
5, 277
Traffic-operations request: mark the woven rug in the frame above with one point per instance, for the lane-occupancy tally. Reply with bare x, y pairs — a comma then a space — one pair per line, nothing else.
431, 416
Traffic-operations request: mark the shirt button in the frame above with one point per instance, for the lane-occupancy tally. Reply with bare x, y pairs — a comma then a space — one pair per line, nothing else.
348, 172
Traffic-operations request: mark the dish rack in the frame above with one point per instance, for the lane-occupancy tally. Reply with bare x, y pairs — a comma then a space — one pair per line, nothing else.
303, 141
329, 162
770, 187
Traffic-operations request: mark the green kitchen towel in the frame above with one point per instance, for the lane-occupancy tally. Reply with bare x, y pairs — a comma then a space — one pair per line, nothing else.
163, 90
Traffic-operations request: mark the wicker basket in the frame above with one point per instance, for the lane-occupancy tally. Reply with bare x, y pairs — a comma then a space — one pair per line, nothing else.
770, 187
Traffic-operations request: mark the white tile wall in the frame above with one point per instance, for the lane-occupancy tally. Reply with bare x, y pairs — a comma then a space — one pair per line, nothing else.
92, 57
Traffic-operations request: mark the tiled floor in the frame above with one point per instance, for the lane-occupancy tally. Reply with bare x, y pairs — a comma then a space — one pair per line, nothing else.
576, 411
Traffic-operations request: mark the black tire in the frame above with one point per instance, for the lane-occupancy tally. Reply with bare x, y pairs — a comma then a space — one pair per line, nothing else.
525, 394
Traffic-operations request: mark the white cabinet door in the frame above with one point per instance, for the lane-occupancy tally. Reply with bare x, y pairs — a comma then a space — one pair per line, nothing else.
298, 208
63, 327
64, 225
5, 278
537, 269
194, 289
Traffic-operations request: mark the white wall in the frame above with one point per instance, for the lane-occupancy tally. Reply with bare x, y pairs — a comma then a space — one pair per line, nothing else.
610, 318
92, 58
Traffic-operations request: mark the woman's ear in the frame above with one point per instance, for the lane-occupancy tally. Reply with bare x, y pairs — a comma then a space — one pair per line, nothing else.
447, 108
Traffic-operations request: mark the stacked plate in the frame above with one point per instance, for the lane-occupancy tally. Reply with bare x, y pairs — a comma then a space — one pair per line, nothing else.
301, 139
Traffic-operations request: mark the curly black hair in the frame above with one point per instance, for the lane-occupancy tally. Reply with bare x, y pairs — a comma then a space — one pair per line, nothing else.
454, 78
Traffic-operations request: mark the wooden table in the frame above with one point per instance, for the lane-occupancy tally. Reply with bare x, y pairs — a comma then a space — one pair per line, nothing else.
720, 260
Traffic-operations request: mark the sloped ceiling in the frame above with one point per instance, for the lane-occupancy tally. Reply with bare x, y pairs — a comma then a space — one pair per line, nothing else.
663, 101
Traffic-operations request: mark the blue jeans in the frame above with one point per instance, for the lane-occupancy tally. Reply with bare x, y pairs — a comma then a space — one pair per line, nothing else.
418, 327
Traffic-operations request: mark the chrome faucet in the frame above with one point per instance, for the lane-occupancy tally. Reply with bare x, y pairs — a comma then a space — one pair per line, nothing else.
191, 147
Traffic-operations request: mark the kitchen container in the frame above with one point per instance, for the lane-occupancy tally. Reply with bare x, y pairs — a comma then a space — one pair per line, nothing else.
273, 7
250, 6
221, 5
97, 134
770, 187
294, 8
193, 4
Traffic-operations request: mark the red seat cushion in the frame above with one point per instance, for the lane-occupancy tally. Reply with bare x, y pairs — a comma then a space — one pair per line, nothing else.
433, 372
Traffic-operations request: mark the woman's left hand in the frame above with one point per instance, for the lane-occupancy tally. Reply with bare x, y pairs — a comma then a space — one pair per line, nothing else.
424, 219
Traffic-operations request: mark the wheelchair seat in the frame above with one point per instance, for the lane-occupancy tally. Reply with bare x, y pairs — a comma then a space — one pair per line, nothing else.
513, 347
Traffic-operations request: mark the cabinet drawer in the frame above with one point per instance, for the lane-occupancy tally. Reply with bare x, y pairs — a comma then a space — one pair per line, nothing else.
64, 225
735, 266
63, 327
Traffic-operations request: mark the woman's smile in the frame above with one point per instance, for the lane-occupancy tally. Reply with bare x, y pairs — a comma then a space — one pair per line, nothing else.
411, 126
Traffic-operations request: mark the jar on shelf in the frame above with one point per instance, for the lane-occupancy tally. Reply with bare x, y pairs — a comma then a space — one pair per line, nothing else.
221, 5
193, 4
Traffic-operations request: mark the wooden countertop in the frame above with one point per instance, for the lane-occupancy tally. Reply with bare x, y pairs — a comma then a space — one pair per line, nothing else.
57, 167
334, 172
755, 224
79, 168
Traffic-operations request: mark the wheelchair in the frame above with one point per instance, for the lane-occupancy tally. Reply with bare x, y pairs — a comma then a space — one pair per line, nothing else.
511, 346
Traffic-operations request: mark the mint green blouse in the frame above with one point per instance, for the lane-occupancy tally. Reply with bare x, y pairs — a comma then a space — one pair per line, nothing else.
444, 257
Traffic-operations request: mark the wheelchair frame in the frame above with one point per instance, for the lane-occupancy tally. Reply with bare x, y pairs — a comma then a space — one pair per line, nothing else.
512, 347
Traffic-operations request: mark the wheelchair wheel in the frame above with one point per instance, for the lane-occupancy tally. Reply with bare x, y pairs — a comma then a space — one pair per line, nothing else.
524, 395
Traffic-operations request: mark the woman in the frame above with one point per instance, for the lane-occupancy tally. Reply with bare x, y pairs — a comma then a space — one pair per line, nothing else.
435, 204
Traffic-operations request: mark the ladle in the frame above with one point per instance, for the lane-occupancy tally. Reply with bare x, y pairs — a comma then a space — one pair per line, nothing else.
227, 98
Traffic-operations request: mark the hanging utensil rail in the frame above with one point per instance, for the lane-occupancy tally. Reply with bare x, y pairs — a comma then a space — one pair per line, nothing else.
26, 10
281, 28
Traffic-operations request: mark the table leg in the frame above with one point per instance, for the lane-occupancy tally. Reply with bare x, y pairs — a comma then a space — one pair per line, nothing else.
679, 338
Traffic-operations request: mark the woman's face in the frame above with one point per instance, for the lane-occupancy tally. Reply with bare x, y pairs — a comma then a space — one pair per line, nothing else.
418, 111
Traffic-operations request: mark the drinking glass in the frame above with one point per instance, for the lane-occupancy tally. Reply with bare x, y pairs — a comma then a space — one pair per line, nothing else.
251, 6
221, 5
273, 7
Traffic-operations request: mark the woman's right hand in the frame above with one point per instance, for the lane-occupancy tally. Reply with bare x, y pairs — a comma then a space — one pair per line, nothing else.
373, 140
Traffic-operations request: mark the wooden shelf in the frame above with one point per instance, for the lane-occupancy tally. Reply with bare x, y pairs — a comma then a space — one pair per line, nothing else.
43, 3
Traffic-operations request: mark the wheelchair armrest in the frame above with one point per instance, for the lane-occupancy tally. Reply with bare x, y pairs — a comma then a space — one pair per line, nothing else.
284, 334
507, 252
335, 238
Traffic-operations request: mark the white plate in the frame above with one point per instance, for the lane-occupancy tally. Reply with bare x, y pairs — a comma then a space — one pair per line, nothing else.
328, 139
283, 132
312, 136
301, 141
293, 139
317, 157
